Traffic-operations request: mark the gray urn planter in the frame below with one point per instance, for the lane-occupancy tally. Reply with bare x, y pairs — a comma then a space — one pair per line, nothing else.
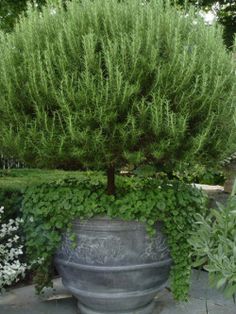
116, 267
230, 173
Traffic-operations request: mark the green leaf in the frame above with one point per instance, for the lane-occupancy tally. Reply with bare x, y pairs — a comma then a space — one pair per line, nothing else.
221, 283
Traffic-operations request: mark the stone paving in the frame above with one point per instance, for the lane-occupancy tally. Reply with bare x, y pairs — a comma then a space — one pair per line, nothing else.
203, 300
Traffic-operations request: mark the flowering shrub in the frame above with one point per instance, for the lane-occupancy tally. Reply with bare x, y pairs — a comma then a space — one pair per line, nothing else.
11, 268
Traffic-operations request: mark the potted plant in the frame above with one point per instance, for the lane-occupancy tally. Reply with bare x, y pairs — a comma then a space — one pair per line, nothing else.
98, 85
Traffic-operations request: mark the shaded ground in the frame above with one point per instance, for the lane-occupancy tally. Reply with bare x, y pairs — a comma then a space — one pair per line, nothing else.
203, 300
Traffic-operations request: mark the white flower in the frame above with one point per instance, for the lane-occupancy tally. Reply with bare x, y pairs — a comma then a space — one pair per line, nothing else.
11, 269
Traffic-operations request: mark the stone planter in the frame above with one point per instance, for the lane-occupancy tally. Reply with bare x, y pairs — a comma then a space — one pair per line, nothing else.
115, 268
230, 173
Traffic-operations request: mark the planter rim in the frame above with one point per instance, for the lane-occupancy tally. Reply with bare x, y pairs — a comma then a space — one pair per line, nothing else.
95, 268
116, 224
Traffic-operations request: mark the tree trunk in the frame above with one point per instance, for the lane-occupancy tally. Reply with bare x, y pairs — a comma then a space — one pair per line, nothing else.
111, 189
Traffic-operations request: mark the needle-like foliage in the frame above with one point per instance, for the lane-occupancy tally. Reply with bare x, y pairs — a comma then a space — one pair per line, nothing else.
103, 83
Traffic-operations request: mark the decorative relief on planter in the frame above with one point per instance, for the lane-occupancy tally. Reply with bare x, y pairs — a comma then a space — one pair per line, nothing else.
93, 250
66, 249
100, 251
155, 249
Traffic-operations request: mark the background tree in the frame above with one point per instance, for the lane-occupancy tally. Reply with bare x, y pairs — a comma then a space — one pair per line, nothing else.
10, 11
106, 83
226, 13
227, 17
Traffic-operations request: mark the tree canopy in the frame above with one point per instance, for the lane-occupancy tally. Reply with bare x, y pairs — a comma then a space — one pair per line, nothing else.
10, 10
105, 83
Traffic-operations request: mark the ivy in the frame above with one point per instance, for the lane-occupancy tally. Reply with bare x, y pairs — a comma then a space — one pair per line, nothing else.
49, 210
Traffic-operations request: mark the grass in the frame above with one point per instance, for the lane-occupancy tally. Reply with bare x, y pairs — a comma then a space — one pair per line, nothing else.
17, 179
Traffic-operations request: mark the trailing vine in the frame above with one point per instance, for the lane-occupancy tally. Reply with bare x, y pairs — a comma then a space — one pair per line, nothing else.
49, 210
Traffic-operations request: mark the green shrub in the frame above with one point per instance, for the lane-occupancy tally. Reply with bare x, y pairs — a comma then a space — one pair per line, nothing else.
200, 174
103, 83
214, 245
11, 200
50, 208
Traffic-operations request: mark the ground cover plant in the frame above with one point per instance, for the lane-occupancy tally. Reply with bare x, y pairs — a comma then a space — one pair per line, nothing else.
102, 84
19, 179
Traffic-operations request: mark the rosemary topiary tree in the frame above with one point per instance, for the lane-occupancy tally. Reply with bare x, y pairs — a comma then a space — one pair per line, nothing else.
104, 83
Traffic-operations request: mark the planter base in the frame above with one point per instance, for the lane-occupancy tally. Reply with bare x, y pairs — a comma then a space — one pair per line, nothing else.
148, 309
